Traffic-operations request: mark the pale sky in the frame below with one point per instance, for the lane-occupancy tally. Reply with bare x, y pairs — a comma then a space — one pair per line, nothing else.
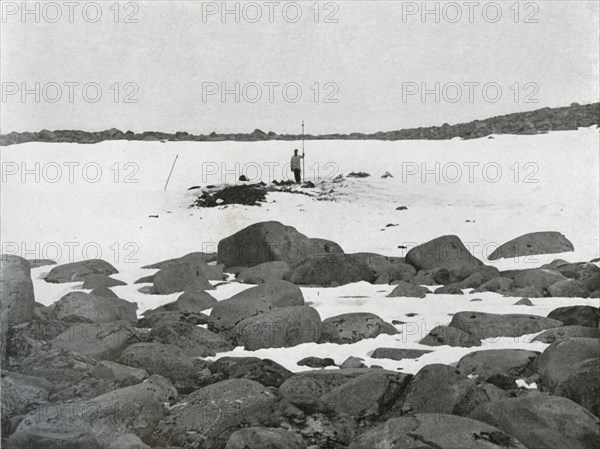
367, 55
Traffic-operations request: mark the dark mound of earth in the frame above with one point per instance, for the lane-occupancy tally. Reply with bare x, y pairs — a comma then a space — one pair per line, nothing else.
247, 195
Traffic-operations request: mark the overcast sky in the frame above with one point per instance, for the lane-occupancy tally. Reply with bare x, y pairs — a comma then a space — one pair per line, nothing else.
361, 66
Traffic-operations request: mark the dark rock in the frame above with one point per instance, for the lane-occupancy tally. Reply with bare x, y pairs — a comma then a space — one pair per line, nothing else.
533, 243
280, 328
157, 319
557, 361
16, 290
569, 288
62, 368
441, 388
332, 269
398, 353
500, 284
81, 307
168, 361
408, 289
500, 367
352, 327
185, 277
105, 292
316, 362
193, 340
278, 293
316, 383
523, 302
77, 271
263, 437
367, 395
587, 274
207, 417
187, 302
263, 371
451, 336
270, 241
264, 272
21, 394
101, 341
538, 278
145, 280
95, 422
121, 374
353, 362
582, 385
435, 430
541, 421
489, 325
448, 290
564, 332
92, 281
443, 252
577, 315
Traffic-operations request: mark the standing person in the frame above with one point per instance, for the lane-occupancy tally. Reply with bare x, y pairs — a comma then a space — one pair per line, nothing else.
296, 166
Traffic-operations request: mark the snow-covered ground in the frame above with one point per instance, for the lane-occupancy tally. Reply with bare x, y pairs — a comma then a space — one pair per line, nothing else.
70, 202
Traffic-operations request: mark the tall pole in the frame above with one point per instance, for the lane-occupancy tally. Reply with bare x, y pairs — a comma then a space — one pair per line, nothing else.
303, 165
170, 173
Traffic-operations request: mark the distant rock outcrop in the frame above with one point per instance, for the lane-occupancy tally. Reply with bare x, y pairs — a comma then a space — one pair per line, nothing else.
532, 122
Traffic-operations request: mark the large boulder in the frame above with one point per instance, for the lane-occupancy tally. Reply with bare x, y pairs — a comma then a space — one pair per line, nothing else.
270, 241
561, 333
280, 328
577, 315
77, 271
490, 325
95, 423
557, 361
21, 394
408, 289
441, 388
225, 315
263, 371
435, 430
587, 274
398, 353
263, 437
185, 277
197, 257
316, 383
541, 421
582, 385
500, 367
207, 417
62, 368
548, 242
332, 270
540, 279
81, 307
568, 288
193, 340
155, 319
447, 251
352, 327
167, 360
367, 395
16, 290
102, 341
264, 272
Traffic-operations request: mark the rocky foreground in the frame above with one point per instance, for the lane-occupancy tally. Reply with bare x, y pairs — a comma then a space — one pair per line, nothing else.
91, 371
